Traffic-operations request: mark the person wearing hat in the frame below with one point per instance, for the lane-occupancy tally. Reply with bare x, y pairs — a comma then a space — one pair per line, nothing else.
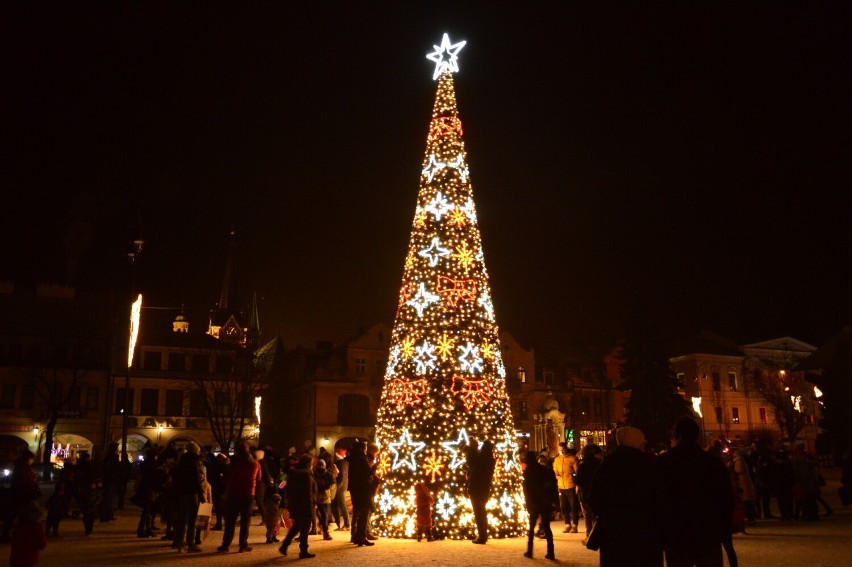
630, 503
188, 479
301, 500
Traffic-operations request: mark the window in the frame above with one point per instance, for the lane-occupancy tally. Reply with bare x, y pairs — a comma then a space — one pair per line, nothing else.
763, 416
353, 409
717, 382
732, 381
177, 361
73, 399
16, 352
522, 410
7, 397
381, 368
584, 406
735, 415
598, 407
547, 377
197, 402
718, 414
150, 401
119, 401
680, 377
27, 397
587, 375
153, 361
93, 396
360, 366
224, 364
201, 363
522, 375
174, 402
222, 402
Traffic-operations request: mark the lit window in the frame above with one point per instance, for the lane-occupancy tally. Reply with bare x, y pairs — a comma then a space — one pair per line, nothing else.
735, 415
732, 381
717, 381
522, 375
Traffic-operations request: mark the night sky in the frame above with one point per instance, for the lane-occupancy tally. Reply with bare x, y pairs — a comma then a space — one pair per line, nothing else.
695, 157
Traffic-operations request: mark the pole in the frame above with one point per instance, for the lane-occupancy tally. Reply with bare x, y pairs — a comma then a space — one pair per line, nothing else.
131, 257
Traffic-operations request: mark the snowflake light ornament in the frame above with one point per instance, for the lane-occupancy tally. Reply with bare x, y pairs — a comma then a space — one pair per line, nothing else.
422, 299
446, 506
434, 252
439, 206
446, 56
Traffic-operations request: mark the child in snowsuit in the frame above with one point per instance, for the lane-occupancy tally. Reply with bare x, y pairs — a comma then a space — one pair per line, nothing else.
57, 507
272, 517
423, 500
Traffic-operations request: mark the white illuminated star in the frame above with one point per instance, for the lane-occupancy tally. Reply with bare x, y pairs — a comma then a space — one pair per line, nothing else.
456, 449
393, 360
433, 167
485, 301
506, 505
409, 448
422, 299
469, 358
446, 506
445, 56
508, 447
439, 206
434, 252
424, 358
470, 211
461, 167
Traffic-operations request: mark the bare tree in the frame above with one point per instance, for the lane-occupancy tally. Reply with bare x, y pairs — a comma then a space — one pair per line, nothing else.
787, 393
55, 377
229, 397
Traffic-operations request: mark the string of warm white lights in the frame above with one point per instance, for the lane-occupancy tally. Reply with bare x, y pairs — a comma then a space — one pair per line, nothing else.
445, 381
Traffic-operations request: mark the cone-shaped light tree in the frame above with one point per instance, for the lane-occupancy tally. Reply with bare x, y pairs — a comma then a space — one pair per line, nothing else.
445, 383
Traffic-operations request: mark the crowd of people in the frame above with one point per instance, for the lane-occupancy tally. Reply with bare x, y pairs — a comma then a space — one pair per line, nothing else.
638, 507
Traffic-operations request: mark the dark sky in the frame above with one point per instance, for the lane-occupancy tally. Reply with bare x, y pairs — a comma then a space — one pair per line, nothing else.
697, 157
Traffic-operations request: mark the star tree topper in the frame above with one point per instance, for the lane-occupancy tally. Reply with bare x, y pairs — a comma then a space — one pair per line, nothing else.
446, 56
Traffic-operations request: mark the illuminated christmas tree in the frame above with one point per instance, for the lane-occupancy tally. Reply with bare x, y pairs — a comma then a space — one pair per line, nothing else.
445, 382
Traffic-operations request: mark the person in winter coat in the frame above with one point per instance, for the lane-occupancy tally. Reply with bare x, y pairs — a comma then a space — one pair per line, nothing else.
540, 491
325, 486
701, 499
630, 503
745, 484
240, 482
423, 501
188, 478
28, 538
90, 491
301, 499
338, 505
565, 467
361, 491
585, 473
152, 478
481, 474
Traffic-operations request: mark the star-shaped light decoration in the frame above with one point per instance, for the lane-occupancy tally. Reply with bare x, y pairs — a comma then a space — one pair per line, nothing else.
469, 358
464, 255
439, 206
446, 345
433, 466
393, 360
404, 451
445, 56
385, 501
433, 167
446, 506
455, 449
422, 299
459, 165
407, 347
470, 210
507, 505
485, 302
384, 464
458, 218
508, 447
424, 359
434, 252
